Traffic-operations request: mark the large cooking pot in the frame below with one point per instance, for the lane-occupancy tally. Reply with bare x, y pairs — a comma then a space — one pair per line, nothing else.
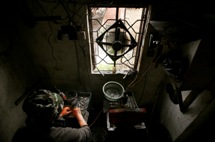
113, 90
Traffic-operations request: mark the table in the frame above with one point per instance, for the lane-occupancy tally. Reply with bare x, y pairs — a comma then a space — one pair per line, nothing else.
124, 112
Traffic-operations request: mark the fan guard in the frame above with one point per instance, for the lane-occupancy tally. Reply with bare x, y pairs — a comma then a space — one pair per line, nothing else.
116, 45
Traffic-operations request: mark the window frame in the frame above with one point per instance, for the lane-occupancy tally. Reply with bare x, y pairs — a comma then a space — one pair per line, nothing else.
144, 21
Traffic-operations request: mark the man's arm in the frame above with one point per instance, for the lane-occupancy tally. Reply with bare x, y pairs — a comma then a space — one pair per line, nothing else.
79, 134
77, 113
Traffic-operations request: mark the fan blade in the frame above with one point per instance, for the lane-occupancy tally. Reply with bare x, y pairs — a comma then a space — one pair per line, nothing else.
117, 33
106, 43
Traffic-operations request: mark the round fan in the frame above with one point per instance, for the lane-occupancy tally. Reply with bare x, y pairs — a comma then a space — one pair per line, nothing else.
119, 47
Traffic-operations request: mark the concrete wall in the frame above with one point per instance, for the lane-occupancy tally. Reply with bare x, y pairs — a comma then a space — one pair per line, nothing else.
177, 122
17, 75
12, 86
186, 126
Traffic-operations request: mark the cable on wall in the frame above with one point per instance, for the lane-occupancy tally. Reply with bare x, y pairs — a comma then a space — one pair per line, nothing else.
135, 81
78, 66
82, 48
52, 51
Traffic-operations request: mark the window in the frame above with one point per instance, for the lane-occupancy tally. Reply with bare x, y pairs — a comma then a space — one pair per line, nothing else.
114, 27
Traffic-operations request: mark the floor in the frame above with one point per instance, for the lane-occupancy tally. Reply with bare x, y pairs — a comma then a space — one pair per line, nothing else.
97, 122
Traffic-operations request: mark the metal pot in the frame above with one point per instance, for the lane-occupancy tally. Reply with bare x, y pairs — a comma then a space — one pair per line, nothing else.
113, 90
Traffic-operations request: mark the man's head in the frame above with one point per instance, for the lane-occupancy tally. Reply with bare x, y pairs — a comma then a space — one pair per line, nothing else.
42, 107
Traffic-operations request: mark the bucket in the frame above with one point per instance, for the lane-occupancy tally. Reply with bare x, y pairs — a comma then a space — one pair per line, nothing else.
113, 90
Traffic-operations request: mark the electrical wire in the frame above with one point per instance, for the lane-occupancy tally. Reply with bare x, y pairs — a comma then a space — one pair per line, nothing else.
42, 8
82, 48
154, 106
135, 79
95, 118
144, 86
144, 74
52, 51
76, 11
62, 19
78, 64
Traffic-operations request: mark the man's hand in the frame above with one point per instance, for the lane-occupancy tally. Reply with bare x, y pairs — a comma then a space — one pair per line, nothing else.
66, 111
76, 112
